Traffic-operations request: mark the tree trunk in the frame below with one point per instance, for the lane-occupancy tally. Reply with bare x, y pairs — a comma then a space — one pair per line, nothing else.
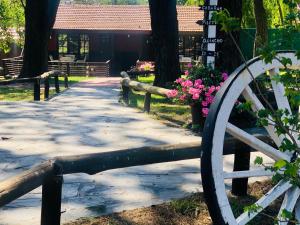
39, 20
261, 36
229, 58
164, 25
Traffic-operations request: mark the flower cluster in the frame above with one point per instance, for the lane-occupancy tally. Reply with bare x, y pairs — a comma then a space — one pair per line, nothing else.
198, 86
146, 66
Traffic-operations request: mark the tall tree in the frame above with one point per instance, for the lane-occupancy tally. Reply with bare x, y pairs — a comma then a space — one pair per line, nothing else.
39, 20
164, 25
261, 35
229, 57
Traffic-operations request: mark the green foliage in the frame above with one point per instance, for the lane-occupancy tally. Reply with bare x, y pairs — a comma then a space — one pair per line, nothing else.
227, 22
258, 161
11, 17
252, 209
272, 7
185, 206
190, 2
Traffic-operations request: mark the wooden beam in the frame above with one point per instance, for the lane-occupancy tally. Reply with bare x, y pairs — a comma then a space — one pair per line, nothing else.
19, 185
98, 162
142, 86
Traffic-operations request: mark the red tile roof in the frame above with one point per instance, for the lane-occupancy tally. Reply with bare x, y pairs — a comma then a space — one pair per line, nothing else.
134, 18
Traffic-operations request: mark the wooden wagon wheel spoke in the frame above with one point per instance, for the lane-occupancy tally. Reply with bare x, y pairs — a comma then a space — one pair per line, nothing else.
256, 105
297, 211
279, 92
265, 201
288, 204
248, 174
256, 143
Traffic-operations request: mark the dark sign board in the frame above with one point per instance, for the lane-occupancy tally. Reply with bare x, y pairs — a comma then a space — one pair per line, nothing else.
209, 53
206, 22
210, 7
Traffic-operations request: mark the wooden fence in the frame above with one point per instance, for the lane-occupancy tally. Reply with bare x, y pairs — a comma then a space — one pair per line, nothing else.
38, 81
49, 174
13, 66
128, 84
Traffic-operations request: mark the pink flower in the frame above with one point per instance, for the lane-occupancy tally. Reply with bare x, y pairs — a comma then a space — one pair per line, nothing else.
182, 97
225, 76
218, 88
209, 99
184, 89
204, 103
198, 83
179, 80
190, 65
172, 93
207, 94
221, 84
193, 91
196, 96
205, 112
187, 83
211, 89
186, 73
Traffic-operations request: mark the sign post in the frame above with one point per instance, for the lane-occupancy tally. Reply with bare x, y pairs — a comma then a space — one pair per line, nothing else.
210, 33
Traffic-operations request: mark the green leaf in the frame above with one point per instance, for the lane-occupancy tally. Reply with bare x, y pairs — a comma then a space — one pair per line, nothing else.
258, 161
280, 164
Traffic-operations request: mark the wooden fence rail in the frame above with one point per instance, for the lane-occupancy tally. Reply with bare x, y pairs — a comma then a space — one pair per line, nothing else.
49, 174
13, 66
37, 81
128, 84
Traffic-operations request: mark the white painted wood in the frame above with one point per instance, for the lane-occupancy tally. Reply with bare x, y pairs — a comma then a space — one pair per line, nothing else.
265, 201
229, 100
289, 202
297, 211
279, 92
255, 143
248, 174
256, 106
212, 33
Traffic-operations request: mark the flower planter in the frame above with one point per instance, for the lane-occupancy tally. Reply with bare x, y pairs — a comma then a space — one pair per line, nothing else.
197, 118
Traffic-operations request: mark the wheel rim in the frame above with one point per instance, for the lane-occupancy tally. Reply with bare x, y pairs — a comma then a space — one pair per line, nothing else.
217, 125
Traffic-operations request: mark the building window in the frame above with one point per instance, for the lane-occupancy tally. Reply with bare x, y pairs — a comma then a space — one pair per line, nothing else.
73, 44
62, 44
189, 46
84, 45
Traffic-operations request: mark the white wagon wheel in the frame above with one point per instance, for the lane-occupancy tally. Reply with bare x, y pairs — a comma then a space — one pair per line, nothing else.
212, 162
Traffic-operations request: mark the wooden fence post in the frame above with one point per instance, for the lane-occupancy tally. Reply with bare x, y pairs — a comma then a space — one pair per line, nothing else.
51, 200
125, 92
56, 81
37, 89
68, 69
241, 163
66, 81
47, 87
147, 102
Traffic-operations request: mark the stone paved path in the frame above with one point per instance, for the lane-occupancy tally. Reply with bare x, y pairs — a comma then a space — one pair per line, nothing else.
88, 119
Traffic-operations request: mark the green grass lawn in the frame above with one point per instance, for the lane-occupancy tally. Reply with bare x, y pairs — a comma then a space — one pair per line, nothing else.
161, 107
24, 92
